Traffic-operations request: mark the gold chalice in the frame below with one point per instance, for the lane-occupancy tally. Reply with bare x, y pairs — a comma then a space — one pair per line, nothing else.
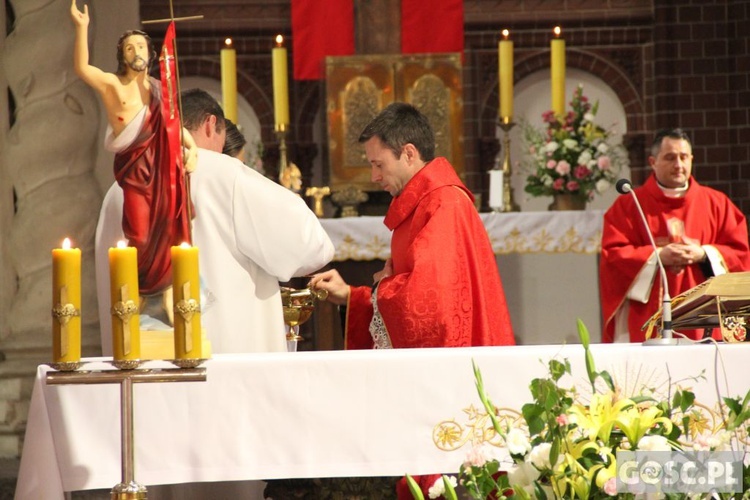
298, 307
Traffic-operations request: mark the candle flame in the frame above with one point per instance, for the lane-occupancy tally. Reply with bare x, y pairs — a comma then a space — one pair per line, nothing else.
228, 42
506, 34
184, 244
557, 31
122, 244
66, 244
279, 40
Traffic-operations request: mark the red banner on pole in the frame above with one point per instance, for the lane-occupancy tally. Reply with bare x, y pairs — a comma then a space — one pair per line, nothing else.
432, 26
320, 28
170, 110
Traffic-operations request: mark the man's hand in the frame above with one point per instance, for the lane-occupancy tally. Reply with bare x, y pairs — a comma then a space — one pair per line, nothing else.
189, 151
332, 282
80, 19
678, 255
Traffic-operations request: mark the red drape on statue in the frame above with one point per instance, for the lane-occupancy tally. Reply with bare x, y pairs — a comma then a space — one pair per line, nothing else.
320, 29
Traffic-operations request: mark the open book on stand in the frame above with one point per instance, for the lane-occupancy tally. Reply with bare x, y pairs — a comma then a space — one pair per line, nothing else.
719, 302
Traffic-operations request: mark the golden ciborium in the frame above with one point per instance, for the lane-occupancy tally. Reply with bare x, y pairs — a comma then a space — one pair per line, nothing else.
298, 307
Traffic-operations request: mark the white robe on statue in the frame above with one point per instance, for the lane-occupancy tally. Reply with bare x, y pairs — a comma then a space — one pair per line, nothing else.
251, 234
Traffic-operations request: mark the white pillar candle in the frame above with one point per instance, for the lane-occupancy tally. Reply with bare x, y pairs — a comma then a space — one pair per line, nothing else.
496, 189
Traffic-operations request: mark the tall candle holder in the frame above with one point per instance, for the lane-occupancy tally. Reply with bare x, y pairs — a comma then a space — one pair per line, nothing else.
509, 205
289, 175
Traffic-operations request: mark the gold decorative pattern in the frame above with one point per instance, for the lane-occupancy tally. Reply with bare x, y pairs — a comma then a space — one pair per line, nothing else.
451, 435
359, 87
187, 308
361, 100
64, 312
124, 310
430, 94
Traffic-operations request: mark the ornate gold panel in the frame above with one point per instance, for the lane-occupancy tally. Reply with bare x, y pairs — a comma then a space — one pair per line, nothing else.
359, 87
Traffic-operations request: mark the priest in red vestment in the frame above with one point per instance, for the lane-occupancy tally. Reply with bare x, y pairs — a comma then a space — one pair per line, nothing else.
698, 231
441, 286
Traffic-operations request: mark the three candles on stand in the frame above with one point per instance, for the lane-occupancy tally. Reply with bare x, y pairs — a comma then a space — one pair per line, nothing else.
125, 303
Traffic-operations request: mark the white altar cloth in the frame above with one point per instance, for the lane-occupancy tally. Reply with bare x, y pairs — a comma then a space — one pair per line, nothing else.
574, 231
313, 414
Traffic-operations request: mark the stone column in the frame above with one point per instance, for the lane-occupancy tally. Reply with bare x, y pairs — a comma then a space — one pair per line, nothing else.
52, 162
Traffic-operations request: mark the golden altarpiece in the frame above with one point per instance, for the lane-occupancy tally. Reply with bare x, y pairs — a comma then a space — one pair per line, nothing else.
359, 87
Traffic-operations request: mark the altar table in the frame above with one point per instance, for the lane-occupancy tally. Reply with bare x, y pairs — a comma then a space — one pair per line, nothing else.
318, 414
548, 262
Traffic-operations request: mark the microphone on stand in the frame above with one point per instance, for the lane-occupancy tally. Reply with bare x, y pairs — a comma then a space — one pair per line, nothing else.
624, 186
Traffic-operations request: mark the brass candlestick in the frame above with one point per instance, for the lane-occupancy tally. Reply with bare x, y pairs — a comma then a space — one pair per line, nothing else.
509, 205
289, 174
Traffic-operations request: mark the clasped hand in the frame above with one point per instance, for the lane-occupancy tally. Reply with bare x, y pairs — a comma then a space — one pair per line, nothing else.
676, 256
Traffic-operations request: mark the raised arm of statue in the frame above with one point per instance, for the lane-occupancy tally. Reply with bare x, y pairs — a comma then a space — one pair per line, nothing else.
92, 75
125, 92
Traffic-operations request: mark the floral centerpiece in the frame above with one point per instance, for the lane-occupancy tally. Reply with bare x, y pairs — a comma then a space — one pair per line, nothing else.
572, 155
569, 447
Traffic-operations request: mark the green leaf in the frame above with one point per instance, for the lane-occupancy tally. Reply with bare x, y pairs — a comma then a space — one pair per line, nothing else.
450, 491
583, 334
539, 491
734, 405
608, 380
687, 400
554, 451
416, 491
532, 413
557, 369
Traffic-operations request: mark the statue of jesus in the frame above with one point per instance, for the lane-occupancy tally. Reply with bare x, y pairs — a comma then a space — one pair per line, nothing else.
156, 213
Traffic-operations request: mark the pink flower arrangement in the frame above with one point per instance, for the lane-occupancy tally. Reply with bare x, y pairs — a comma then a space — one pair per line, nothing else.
572, 154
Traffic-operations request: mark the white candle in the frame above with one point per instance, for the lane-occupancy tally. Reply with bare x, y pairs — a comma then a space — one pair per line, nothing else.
496, 189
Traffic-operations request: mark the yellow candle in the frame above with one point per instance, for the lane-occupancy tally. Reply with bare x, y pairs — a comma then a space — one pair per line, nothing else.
187, 311
280, 85
123, 283
229, 80
505, 70
66, 303
557, 71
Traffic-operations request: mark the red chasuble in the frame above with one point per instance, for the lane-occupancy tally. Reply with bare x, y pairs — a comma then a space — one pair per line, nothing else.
704, 217
154, 215
446, 289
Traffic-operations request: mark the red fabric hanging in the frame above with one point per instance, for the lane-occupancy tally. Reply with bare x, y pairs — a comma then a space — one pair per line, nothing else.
320, 28
430, 27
